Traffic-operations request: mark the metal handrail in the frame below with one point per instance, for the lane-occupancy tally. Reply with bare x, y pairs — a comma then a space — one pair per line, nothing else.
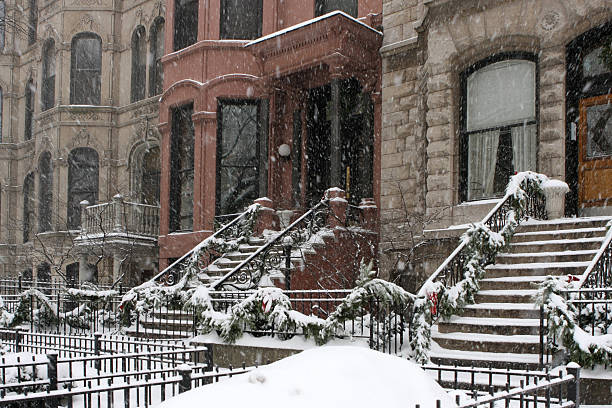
599, 261
209, 238
265, 248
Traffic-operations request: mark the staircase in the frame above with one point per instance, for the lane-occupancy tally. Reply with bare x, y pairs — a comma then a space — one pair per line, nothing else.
502, 328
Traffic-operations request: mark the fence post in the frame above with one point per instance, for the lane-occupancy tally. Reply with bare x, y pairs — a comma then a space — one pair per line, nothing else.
52, 374
17, 341
97, 348
184, 371
573, 389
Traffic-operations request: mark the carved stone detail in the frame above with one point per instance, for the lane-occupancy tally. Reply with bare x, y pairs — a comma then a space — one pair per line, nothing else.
550, 20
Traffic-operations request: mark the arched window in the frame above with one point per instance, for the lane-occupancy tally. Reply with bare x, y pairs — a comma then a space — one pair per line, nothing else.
82, 182
30, 92
48, 75
156, 72
499, 128
45, 192
149, 184
72, 274
2, 24
28, 206
86, 63
32, 22
185, 23
327, 6
241, 20
139, 64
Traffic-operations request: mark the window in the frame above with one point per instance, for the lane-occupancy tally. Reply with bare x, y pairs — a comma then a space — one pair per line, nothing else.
30, 92
86, 62
1, 101
32, 22
185, 23
499, 124
149, 184
181, 171
48, 75
28, 206
43, 272
241, 20
2, 24
45, 192
241, 154
156, 72
72, 274
139, 61
327, 6
82, 182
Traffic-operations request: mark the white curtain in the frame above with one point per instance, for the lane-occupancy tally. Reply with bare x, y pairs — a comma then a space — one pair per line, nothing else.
524, 148
482, 158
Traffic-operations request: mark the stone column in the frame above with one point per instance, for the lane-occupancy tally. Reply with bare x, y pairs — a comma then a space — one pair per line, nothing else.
337, 206
266, 217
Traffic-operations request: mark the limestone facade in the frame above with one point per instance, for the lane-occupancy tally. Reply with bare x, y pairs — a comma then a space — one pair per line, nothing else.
118, 130
428, 46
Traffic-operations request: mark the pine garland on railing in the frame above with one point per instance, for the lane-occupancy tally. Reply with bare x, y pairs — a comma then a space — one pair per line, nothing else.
481, 245
269, 310
582, 348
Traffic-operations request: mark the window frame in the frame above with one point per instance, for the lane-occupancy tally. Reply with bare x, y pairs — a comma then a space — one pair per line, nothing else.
321, 5
93, 97
28, 206
184, 174
45, 192
464, 133
73, 210
30, 97
182, 15
32, 22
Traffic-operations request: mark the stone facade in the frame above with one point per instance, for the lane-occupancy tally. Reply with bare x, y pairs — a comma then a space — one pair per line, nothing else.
428, 44
118, 130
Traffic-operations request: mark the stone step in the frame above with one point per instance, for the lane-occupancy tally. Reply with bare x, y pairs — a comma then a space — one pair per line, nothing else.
562, 224
558, 234
505, 296
506, 327
490, 343
556, 245
502, 310
543, 257
462, 358
510, 283
533, 269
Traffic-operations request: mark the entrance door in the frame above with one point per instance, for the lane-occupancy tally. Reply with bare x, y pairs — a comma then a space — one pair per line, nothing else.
595, 151
341, 157
241, 154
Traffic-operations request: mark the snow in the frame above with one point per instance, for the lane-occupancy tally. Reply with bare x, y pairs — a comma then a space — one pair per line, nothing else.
540, 265
324, 377
307, 23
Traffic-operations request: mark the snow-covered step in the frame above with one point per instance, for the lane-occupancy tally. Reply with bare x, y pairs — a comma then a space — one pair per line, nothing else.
546, 235
535, 269
562, 224
553, 245
502, 310
511, 282
542, 257
472, 358
493, 343
505, 296
503, 326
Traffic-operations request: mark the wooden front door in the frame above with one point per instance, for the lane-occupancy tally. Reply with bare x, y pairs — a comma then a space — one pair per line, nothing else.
595, 152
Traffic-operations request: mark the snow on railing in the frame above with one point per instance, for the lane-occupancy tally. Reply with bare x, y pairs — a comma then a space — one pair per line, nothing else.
599, 272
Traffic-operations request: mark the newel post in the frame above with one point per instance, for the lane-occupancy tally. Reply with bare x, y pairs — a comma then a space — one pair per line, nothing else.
338, 206
118, 212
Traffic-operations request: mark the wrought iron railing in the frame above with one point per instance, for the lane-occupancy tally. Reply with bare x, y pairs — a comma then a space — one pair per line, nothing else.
599, 272
121, 216
452, 269
175, 271
275, 255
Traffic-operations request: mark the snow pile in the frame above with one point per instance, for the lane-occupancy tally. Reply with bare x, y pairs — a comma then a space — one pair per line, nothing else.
324, 377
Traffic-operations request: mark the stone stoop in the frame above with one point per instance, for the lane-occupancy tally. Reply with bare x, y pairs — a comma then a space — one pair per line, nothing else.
502, 328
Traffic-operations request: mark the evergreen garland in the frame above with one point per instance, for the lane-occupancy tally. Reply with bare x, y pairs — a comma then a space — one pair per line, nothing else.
581, 347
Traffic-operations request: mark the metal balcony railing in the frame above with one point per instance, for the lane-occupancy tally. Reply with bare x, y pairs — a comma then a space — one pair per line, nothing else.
119, 216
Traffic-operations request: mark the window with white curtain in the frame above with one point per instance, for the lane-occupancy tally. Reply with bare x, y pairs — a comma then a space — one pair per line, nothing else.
499, 125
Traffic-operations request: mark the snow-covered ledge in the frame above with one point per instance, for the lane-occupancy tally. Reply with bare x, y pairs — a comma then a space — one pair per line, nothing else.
555, 191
